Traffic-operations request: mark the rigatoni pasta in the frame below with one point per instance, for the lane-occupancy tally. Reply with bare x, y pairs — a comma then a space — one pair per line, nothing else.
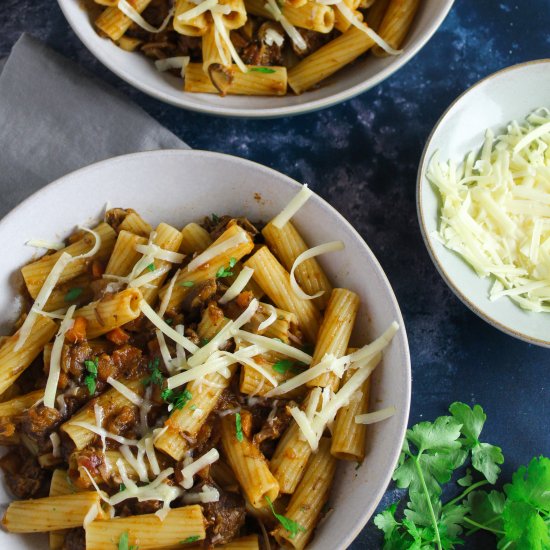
165, 404
249, 47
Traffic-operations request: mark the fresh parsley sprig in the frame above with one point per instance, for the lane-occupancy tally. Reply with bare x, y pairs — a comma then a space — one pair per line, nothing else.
519, 516
293, 527
91, 378
226, 271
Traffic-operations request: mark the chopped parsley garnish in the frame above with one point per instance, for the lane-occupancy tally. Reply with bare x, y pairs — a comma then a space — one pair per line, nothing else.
151, 267
168, 321
177, 400
226, 271
293, 527
192, 538
91, 378
187, 283
283, 366
156, 377
262, 70
193, 407
238, 428
73, 294
204, 341
123, 543
122, 488
215, 218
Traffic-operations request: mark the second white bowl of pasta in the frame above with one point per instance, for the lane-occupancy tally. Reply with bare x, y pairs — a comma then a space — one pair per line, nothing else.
269, 60
171, 381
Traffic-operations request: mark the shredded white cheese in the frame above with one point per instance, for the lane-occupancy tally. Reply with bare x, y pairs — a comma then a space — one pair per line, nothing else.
273, 37
354, 20
156, 252
270, 344
271, 318
289, 28
224, 35
55, 359
104, 433
56, 444
238, 285
166, 300
179, 62
48, 245
129, 10
150, 313
376, 416
212, 251
281, 219
333, 246
196, 466
132, 396
206, 494
496, 208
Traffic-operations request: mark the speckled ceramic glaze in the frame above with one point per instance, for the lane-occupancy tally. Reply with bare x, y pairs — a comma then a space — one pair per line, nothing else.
510, 94
141, 72
182, 186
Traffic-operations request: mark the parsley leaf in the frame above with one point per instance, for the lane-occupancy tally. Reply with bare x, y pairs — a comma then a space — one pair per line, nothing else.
192, 538
215, 218
485, 457
238, 428
187, 284
266, 70
123, 543
73, 294
151, 267
91, 378
177, 400
226, 271
121, 488
432, 452
283, 366
156, 377
293, 527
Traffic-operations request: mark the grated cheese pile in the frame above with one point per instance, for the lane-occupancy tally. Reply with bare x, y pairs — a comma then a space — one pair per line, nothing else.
496, 210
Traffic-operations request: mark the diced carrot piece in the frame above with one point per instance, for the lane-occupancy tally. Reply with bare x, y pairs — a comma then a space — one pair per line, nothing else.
78, 331
118, 336
97, 269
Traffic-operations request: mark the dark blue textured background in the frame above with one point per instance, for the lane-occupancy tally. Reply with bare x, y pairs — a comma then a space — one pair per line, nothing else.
362, 157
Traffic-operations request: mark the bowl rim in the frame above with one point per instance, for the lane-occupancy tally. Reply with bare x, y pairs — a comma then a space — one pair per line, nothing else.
329, 209
503, 327
275, 112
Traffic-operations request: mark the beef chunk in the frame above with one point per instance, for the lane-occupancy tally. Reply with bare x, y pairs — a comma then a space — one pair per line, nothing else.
24, 476
39, 423
199, 294
75, 539
224, 518
122, 421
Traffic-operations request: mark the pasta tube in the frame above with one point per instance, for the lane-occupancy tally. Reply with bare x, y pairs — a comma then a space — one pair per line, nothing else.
257, 81
51, 513
194, 238
396, 24
248, 464
335, 333
134, 223
59, 486
187, 279
274, 280
195, 26
113, 23
112, 311
13, 363
287, 244
35, 273
124, 255
328, 59
147, 531
309, 498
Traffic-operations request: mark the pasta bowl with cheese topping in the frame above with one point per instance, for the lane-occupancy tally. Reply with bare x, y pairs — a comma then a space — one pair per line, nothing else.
286, 57
215, 360
483, 198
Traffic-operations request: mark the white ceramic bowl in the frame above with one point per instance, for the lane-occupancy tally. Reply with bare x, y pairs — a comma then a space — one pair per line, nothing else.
140, 71
181, 186
491, 103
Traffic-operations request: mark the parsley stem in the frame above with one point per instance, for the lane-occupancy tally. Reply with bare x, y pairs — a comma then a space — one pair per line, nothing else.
464, 493
484, 527
473, 530
427, 495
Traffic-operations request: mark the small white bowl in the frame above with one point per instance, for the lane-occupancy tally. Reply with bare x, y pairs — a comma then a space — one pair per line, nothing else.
140, 71
181, 186
510, 94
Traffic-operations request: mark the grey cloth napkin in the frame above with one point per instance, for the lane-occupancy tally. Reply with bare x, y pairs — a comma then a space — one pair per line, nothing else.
55, 118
